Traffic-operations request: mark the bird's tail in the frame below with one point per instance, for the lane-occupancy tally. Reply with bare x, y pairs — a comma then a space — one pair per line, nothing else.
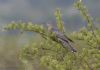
72, 48
68, 45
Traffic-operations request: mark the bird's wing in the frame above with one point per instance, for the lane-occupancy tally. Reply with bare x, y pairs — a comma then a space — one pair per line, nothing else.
69, 39
67, 45
63, 36
64, 40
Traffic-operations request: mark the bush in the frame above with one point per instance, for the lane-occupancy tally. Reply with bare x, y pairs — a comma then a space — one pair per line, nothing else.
51, 55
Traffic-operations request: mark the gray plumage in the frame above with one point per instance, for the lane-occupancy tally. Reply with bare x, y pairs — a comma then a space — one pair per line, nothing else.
66, 42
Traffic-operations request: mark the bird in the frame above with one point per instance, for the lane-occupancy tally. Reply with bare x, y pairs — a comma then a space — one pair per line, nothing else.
65, 41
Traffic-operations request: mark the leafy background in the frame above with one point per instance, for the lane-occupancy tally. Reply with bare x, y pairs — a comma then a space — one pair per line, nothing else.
40, 12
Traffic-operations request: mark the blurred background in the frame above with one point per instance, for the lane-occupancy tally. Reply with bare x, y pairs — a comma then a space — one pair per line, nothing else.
38, 12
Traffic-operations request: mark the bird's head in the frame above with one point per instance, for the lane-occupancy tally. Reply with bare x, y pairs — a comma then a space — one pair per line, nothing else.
50, 27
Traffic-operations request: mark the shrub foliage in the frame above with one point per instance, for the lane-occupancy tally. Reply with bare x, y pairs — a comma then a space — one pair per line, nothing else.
50, 54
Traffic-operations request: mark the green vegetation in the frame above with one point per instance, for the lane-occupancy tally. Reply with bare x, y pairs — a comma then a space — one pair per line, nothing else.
48, 54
